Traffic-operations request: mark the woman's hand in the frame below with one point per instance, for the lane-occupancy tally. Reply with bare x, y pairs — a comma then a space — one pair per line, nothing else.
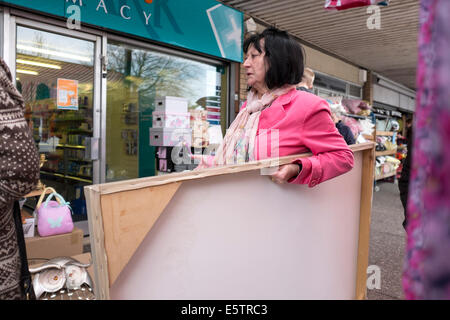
285, 173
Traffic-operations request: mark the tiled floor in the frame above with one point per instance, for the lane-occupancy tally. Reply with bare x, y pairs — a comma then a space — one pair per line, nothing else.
387, 242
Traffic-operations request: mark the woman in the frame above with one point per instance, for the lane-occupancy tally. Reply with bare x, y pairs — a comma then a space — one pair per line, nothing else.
275, 111
19, 173
343, 129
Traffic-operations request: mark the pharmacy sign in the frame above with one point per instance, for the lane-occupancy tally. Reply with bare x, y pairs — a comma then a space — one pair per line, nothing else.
205, 26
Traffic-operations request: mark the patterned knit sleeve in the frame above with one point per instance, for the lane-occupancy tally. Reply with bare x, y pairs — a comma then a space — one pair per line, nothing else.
19, 161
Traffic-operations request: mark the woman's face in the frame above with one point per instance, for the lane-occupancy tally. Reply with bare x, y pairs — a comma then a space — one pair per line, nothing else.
255, 67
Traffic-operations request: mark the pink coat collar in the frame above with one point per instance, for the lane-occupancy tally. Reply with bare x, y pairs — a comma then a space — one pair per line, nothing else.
275, 113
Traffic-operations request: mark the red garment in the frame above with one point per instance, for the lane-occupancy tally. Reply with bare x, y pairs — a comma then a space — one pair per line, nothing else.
304, 124
348, 4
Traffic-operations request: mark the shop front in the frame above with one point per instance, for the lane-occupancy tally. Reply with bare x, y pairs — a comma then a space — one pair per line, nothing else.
91, 91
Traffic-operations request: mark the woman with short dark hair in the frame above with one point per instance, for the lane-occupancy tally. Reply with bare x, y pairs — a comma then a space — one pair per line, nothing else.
290, 121
284, 57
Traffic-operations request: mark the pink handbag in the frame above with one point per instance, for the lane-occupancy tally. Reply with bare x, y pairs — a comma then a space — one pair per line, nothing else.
53, 217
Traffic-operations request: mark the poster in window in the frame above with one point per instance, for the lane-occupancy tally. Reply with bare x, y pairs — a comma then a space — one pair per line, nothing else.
67, 98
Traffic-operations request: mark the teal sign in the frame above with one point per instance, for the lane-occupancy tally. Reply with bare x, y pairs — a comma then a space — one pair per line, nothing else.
205, 26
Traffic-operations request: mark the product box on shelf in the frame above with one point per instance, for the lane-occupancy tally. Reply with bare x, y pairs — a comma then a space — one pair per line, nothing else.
198, 126
200, 142
198, 115
164, 165
214, 122
171, 120
170, 137
167, 158
28, 227
171, 104
214, 114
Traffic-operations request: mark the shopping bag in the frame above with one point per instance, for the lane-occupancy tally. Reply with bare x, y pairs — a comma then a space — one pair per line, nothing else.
348, 4
53, 217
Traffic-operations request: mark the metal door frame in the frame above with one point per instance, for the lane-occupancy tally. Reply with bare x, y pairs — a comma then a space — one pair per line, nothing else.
11, 22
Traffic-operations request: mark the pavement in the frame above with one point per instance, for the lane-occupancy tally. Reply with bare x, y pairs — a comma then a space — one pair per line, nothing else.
387, 242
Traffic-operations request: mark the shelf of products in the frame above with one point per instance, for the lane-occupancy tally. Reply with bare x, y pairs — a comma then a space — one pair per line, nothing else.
385, 153
70, 146
386, 162
385, 133
36, 193
63, 136
385, 175
61, 175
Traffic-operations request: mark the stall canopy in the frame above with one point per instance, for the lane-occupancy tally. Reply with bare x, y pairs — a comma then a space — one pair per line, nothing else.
351, 34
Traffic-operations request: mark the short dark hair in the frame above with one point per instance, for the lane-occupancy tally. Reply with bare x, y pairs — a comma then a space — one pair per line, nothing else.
284, 56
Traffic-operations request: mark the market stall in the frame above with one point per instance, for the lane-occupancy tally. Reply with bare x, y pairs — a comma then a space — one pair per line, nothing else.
185, 236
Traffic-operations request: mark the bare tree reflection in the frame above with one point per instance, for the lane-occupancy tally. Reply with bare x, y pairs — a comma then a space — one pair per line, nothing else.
152, 73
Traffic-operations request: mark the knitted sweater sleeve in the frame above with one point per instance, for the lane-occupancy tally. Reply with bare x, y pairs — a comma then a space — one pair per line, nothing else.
19, 162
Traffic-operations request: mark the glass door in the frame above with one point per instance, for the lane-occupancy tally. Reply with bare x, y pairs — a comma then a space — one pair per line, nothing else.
56, 74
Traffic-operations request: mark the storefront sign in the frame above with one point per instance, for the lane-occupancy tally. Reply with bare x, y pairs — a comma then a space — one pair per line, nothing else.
67, 97
200, 25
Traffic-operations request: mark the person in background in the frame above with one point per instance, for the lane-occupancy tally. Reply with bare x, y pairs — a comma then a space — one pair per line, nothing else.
403, 182
307, 83
343, 129
19, 174
301, 121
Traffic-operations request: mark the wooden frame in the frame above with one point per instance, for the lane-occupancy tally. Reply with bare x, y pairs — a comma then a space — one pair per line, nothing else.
112, 247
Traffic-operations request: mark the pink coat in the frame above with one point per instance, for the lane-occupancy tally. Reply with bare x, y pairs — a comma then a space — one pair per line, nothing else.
304, 124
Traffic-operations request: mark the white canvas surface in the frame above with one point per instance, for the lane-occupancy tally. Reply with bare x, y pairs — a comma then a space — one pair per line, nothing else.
241, 236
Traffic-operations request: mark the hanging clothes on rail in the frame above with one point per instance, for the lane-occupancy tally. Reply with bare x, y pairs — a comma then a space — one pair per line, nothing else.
348, 4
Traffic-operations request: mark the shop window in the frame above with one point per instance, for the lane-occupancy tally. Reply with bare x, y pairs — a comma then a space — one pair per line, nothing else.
354, 91
326, 86
136, 78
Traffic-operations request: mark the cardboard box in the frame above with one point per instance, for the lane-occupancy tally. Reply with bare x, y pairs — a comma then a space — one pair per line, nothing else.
171, 104
171, 120
61, 245
170, 137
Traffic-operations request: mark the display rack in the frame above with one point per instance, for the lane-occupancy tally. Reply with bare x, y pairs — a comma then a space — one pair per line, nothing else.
63, 136
384, 176
385, 153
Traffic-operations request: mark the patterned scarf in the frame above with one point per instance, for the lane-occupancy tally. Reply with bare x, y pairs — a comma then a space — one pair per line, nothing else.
238, 145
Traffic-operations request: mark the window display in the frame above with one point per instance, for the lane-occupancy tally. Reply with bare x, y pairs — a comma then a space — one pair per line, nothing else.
155, 99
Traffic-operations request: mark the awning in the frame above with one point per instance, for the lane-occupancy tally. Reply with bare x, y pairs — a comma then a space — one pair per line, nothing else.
390, 51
